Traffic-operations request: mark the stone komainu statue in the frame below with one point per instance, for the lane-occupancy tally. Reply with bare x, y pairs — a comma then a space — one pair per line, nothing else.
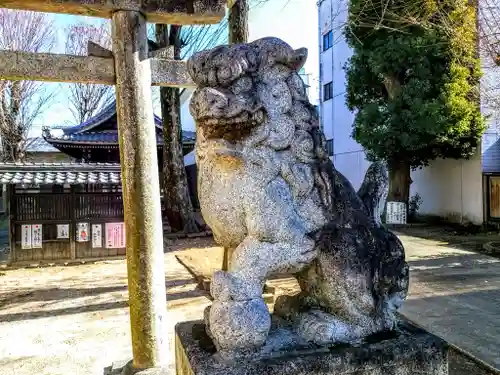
271, 195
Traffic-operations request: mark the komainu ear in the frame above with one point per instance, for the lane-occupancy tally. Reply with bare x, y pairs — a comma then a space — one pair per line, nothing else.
299, 58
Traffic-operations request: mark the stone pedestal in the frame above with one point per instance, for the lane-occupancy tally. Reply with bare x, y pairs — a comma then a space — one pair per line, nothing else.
407, 351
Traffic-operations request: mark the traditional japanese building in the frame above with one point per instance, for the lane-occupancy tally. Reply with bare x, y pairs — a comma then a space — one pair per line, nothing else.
74, 210
96, 140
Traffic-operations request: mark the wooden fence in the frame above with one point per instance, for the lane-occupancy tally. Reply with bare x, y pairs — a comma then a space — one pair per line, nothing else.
50, 210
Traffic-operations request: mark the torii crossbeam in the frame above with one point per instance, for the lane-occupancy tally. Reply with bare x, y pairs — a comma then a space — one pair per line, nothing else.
178, 12
133, 71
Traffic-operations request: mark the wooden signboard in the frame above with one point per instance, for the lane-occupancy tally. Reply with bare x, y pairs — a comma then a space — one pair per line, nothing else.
396, 213
36, 236
96, 236
25, 236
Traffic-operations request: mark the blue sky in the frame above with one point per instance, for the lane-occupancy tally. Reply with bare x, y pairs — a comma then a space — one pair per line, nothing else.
294, 21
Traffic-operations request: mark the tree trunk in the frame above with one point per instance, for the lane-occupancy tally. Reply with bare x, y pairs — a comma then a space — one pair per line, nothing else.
177, 201
238, 22
13, 152
399, 182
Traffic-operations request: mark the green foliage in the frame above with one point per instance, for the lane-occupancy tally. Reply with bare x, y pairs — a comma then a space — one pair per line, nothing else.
413, 79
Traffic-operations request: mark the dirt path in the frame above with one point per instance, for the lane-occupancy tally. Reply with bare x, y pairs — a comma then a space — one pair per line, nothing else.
75, 320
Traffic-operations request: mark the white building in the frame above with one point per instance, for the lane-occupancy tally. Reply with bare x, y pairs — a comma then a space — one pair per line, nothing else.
336, 119
457, 190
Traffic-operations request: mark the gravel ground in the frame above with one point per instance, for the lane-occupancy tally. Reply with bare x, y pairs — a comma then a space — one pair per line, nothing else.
74, 319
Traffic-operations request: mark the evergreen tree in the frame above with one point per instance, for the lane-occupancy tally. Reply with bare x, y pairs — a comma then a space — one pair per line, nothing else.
413, 82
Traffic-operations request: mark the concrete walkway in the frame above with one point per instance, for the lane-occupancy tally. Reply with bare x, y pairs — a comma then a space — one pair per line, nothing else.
455, 294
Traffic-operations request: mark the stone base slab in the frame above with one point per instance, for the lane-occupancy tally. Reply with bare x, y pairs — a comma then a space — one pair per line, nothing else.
407, 351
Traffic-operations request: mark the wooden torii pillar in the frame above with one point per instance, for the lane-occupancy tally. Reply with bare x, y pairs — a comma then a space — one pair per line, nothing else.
133, 69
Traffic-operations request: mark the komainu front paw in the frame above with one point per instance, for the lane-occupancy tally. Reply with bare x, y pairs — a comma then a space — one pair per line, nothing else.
322, 328
239, 325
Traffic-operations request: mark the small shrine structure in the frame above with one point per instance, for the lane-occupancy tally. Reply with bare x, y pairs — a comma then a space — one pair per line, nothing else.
132, 67
63, 211
74, 211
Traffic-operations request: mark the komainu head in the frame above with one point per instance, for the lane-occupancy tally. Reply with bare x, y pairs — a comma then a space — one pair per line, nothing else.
243, 86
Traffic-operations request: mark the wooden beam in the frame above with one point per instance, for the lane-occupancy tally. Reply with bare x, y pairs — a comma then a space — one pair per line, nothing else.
18, 66
162, 53
179, 12
141, 192
94, 49
170, 73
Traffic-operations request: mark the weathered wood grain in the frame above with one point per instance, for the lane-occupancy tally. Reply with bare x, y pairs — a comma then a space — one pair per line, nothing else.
141, 191
83, 69
171, 73
179, 12
56, 68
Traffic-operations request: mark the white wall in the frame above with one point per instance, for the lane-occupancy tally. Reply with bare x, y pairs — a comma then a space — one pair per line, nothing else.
452, 189
353, 166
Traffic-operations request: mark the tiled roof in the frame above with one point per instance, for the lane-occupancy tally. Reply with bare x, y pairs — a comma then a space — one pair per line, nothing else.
105, 137
188, 136
98, 119
38, 144
106, 114
59, 173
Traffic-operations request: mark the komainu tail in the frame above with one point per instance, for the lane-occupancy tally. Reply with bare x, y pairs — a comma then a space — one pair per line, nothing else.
373, 192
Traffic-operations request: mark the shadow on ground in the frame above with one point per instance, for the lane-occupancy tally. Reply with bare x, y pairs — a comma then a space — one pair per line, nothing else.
449, 236
58, 294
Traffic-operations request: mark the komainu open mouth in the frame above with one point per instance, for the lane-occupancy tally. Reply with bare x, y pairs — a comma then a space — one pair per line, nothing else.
231, 128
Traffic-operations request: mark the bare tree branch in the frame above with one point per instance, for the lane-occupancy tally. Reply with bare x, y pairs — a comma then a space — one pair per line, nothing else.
22, 101
86, 100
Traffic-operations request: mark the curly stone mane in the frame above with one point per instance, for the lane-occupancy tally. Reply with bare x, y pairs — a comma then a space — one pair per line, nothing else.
265, 105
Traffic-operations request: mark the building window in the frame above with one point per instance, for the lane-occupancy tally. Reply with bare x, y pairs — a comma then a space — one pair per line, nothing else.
329, 147
327, 40
327, 91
